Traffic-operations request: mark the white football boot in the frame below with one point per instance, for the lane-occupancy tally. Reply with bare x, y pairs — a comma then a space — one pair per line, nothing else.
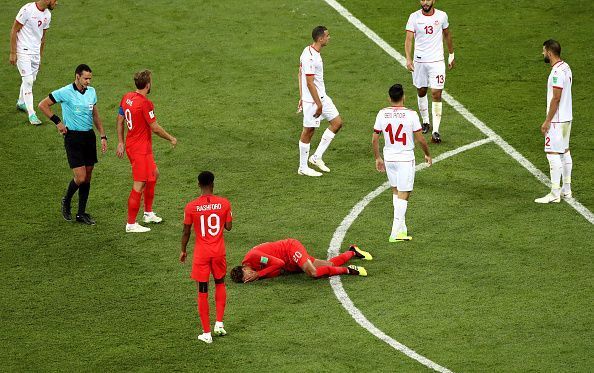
319, 163
136, 228
151, 217
308, 172
205, 337
549, 198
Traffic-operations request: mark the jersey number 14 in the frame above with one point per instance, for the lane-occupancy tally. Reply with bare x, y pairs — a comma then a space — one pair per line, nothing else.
398, 137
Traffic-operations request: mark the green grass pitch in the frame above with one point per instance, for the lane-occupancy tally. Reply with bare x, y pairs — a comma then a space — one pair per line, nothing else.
491, 281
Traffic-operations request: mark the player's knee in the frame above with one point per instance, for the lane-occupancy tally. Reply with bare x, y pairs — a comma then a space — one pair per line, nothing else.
219, 281
436, 95
336, 125
28, 82
203, 287
422, 92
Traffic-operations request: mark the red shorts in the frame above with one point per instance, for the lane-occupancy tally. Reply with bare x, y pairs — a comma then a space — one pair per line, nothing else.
203, 267
298, 257
143, 167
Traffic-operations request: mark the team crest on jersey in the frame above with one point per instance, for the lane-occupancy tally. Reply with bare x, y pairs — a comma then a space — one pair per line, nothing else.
436, 22
151, 114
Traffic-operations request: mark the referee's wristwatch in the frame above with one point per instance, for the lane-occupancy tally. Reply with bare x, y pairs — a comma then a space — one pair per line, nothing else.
104, 137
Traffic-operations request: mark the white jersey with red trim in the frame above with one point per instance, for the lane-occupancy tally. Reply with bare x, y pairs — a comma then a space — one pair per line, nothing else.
560, 78
428, 31
34, 21
398, 125
310, 63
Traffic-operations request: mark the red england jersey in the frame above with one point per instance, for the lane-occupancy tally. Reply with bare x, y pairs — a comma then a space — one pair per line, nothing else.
138, 112
270, 257
208, 213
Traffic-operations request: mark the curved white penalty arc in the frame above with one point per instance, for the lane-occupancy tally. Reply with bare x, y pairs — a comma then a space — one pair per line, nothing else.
334, 250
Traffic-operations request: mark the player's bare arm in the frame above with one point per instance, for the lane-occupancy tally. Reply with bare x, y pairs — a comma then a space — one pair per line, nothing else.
99, 126
184, 242
160, 131
421, 140
552, 110
42, 47
447, 35
300, 103
228, 225
314, 94
16, 27
120, 130
379, 162
408, 45
44, 106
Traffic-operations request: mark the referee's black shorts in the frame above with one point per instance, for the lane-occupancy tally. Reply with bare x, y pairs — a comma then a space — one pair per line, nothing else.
81, 148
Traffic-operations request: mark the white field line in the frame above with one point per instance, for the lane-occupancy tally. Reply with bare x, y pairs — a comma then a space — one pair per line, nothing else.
334, 250
461, 109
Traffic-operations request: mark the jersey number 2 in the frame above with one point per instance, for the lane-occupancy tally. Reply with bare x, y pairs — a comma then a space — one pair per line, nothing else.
213, 222
399, 137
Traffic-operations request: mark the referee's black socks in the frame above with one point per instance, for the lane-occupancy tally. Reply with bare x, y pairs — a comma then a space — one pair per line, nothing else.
83, 196
72, 188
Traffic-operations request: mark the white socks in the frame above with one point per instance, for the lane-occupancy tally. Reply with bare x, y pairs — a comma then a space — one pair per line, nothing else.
399, 223
303, 155
27, 92
327, 138
436, 111
423, 108
566, 171
556, 168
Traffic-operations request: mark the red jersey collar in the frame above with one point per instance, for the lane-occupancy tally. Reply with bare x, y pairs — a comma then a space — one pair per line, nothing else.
555, 64
313, 46
37, 6
428, 15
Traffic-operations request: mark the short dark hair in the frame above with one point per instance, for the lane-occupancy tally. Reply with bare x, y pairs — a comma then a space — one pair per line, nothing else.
206, 178
318, 32
553, 46
142, 78
237, 274
82, 67
396, 92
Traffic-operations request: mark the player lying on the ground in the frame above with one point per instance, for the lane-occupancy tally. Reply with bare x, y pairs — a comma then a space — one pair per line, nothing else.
272, 259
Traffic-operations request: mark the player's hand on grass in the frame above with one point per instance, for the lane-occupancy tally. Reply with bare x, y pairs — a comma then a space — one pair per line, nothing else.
380, 165
545, 127
13, 58
120, 150
182, 257
428, 160
299, 107
409, 65
318, 111
61, 128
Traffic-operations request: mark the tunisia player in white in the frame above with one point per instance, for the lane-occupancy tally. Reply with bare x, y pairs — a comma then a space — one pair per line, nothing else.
27, 41
400, 127
557, 125
315, 103
428, 27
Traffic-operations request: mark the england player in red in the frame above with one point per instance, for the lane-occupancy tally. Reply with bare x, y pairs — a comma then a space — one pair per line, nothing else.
137, 111
272, 259
209, 214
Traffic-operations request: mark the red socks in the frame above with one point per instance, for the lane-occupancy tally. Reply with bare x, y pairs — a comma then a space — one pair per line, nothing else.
149, 195
220, 300
133, 206
342, 258
203, 310
331, 271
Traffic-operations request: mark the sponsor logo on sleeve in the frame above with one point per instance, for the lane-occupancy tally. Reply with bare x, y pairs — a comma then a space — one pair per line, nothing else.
555, 80
151, 114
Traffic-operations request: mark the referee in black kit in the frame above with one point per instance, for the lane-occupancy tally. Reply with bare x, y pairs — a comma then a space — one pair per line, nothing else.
80, 111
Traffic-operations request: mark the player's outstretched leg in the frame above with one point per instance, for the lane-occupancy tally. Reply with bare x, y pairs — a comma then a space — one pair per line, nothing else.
360, 253
220, 303
203, 312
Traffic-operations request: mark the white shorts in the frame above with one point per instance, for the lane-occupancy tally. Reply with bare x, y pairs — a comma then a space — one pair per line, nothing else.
329, 112
557, 139
401, 175
28, 64
431, 74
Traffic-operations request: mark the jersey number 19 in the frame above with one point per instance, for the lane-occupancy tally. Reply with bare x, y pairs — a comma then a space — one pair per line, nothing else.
213, 223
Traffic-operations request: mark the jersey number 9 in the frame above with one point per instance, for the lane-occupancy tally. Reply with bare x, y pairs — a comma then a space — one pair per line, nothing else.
128, 116
213, 223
